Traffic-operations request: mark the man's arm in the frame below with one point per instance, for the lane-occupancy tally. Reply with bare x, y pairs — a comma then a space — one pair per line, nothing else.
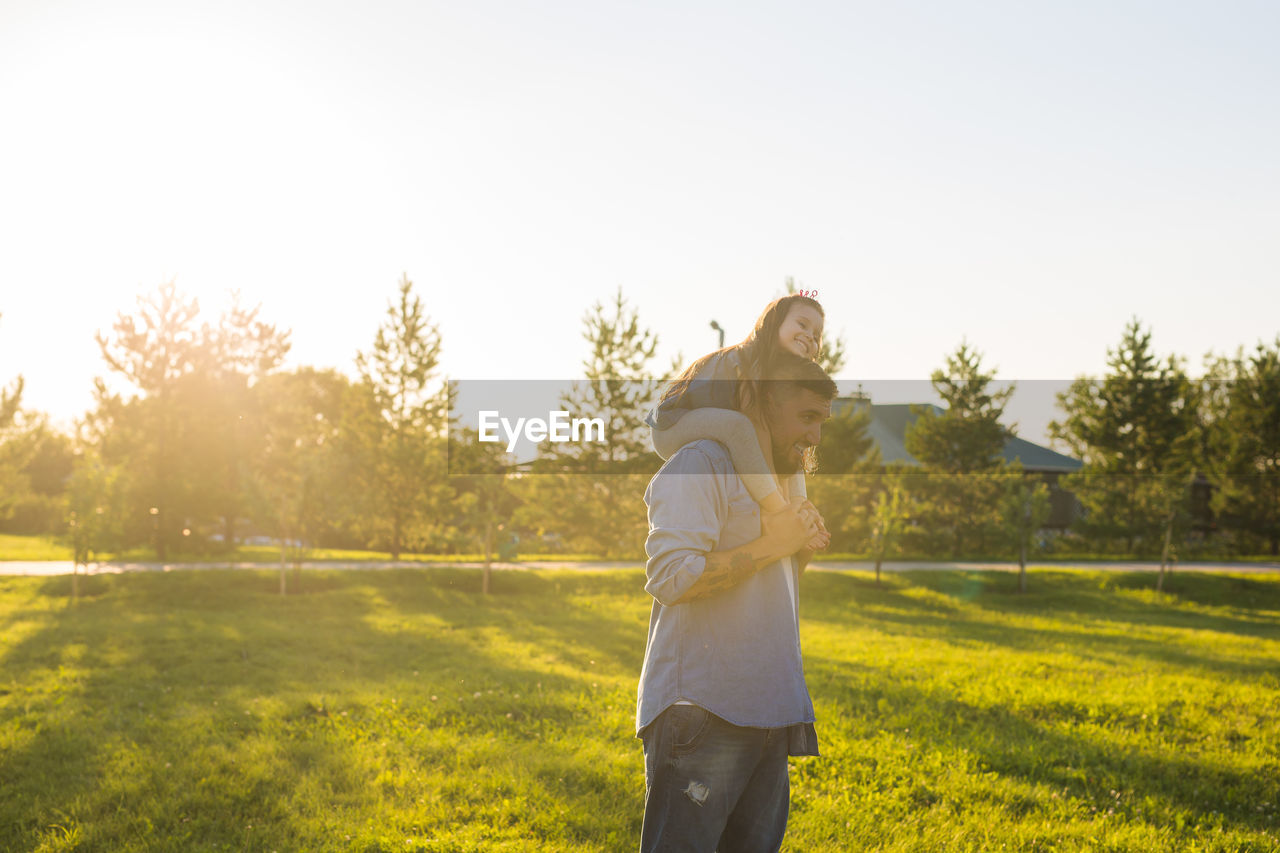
686, 513
727, 569
782, 533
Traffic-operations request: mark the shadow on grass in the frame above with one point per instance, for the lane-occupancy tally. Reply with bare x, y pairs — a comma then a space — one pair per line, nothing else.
972, 603
1035, 743
177, 710
1153, 784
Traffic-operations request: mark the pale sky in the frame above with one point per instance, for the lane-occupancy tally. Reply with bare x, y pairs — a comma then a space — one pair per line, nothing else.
1023, 175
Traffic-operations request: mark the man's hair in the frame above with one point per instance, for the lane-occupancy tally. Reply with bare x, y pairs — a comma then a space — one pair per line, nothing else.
786, 372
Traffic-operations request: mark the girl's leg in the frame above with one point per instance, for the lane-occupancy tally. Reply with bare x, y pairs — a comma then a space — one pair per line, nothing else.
796, 486
736, 432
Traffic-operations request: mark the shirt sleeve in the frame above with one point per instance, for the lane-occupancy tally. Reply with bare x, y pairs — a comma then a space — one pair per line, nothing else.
686, 508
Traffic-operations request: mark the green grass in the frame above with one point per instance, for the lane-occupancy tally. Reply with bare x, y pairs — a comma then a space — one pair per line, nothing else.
401, 710
32, 548
1057, 560
46, 548
271, 554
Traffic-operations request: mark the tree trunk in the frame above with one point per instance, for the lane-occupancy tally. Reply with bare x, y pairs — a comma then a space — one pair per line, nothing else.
162, 552
1164, 554
395, 535
488, 551
297, 564
1022, 566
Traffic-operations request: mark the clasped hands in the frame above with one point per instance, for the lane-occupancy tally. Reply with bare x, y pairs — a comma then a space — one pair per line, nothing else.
797, 526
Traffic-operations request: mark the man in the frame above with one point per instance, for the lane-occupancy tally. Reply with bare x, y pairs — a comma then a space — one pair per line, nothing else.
722, 699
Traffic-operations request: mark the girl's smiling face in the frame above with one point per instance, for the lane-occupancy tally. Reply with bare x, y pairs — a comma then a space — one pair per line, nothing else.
801, 331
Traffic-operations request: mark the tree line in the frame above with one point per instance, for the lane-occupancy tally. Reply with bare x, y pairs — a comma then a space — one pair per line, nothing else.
1172, 465
213, 442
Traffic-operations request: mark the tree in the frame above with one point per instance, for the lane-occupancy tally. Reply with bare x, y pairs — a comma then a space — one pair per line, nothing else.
95, 504
295, 476
848, 477
1137, 432
236, 355
890, 513
968, 436
1242, 402
618, 388
958, 493
1025, 508
10, 401
38, 459
603, 482
15, 486
153, 350
479, 473
400, 427
10, 476
181, 434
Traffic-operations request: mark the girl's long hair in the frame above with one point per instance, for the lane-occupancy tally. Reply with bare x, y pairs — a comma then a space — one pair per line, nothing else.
754, 353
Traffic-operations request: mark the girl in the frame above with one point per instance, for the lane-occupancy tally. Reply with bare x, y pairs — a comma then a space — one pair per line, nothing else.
718, 397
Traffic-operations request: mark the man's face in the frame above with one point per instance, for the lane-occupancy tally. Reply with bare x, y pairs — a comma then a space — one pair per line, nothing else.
795, 423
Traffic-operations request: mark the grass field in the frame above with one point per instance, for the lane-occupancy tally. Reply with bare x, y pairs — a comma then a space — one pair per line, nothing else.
401, 710
26, 548
48, 548
32, 548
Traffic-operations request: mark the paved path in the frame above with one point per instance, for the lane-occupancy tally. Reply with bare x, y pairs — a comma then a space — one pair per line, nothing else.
55, 567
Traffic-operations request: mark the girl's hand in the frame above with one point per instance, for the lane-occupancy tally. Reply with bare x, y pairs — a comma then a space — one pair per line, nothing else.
788, 529
822, 537
809, 512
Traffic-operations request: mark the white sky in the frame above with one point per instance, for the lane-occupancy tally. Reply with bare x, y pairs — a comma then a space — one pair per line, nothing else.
1025, 175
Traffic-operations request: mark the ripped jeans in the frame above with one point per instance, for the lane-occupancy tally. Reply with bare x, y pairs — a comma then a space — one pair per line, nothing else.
713, 786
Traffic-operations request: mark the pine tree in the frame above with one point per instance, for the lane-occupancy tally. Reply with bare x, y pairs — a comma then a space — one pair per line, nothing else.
1243, 402
603, 482
484, 502
179, 439
956, 496
35, 462
13, 482
1136, 430
154, 350
10, 401
401, 429
889, 516
1025, 508
95, 510
296, 475
847, 478
968, 436
235, 356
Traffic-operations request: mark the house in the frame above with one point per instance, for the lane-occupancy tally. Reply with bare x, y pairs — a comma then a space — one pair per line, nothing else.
888, 428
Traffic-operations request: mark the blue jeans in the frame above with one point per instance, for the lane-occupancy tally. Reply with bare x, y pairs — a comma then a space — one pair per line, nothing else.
713, 786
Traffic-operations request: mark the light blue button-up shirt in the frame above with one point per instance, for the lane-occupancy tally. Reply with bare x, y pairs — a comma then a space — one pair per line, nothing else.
735, 653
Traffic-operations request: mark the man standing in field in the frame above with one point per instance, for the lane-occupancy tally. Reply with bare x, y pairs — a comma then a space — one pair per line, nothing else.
722, 699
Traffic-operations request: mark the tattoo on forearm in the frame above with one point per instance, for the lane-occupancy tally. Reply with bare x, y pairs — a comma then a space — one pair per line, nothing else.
721, 572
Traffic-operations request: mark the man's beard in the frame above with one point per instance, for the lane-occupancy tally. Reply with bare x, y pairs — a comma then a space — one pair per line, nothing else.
782, 461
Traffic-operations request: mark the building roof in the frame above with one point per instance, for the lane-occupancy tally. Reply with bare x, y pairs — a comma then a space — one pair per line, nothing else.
888, 428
